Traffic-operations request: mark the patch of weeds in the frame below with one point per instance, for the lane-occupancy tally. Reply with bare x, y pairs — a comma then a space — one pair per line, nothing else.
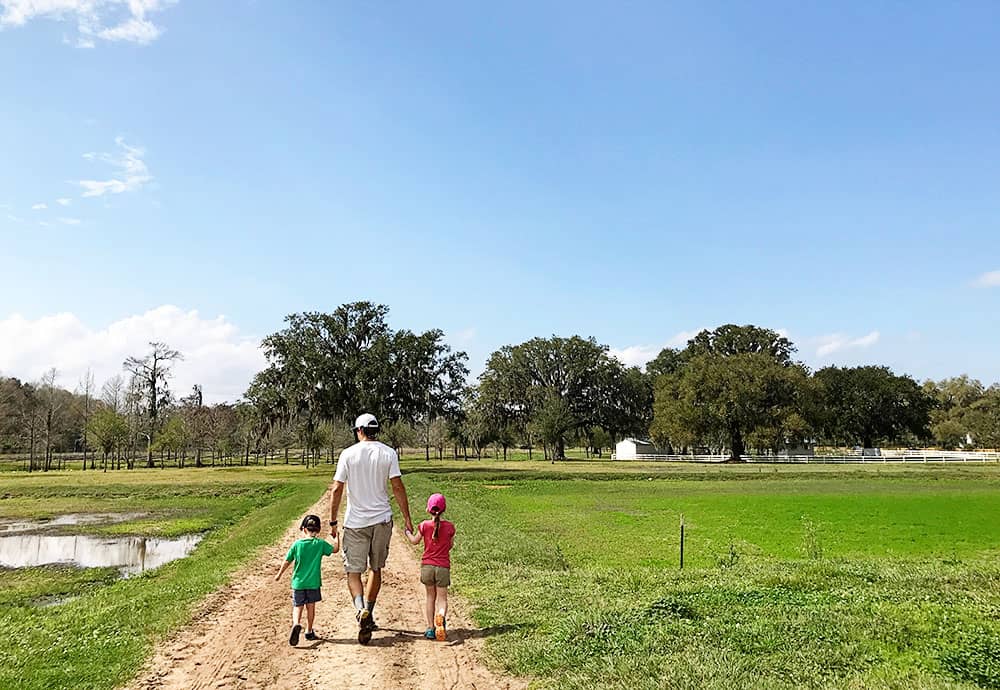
975, 657
730, 559
811, 545
670, 607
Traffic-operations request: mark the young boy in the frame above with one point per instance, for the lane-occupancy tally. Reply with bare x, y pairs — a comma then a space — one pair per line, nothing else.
307, 553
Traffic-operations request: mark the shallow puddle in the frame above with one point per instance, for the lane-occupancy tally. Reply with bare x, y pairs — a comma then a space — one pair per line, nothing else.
131, 555
70, 519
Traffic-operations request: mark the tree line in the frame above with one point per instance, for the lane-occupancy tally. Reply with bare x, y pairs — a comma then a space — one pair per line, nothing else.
734, 389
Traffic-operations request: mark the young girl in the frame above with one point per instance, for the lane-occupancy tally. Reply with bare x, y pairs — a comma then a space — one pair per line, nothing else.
435, 565
307, 554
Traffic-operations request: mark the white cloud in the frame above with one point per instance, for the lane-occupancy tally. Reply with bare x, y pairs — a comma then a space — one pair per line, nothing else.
108, 20
39, 207
640, 355
69, 221
132, 173
465, 336
216, 355
133, 30
990, 279
835, 342
14, 219
64, 201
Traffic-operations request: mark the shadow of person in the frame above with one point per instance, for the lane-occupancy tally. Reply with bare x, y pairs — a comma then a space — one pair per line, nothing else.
389, 637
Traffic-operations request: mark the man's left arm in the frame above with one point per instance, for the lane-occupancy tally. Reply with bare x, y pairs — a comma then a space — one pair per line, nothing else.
399, 491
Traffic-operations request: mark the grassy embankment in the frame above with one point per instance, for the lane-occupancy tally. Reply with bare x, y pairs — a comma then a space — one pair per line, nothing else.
795, 577
107, 627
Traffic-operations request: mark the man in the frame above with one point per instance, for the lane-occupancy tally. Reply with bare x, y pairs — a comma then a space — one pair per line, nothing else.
366, 468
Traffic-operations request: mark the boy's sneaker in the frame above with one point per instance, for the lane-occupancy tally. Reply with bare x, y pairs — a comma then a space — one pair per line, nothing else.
429, 633
440, 632
311, 635
293, 639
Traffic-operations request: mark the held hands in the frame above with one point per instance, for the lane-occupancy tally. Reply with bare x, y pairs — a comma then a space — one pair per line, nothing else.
336, 540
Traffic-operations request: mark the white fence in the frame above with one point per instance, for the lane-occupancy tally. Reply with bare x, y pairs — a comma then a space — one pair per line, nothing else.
887, 456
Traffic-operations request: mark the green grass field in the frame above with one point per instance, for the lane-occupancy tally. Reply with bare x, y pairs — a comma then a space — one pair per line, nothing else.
827, 576
107, 626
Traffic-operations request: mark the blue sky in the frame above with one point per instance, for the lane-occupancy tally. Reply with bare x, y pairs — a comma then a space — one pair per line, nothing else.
500, 171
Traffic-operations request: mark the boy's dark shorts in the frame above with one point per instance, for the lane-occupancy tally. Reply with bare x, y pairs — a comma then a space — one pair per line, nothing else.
301, 597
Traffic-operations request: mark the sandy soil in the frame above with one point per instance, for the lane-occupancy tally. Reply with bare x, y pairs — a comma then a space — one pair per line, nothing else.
239, 636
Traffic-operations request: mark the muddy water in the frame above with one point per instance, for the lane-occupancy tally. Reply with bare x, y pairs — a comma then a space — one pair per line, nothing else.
131, 555
70, 519
26, 543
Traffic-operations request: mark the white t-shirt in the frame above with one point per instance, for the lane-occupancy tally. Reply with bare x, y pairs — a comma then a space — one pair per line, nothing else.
366, 467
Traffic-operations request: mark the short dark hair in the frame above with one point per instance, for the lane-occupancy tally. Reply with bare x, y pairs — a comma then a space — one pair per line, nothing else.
370, 431
311, 523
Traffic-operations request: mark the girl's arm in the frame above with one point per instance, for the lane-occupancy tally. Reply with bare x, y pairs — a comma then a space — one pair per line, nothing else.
414, 537
281, 571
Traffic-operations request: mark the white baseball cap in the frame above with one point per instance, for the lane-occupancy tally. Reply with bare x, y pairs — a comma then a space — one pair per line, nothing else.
366, 421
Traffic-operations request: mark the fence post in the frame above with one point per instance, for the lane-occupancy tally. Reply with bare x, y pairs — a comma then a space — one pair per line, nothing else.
682, 541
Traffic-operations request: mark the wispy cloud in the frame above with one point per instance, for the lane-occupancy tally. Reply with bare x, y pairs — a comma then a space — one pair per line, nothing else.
640, 355
64, 201
69, 221
39, 207
987, 280
836, 342
106, 20
132, 171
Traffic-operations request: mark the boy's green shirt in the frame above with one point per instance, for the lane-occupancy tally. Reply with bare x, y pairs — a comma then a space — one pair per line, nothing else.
308, 554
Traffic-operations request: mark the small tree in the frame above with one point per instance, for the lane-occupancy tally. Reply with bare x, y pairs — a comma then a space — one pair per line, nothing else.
108, 431
152, 372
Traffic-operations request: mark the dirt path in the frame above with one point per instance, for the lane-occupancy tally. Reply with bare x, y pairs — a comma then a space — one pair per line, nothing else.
239, 636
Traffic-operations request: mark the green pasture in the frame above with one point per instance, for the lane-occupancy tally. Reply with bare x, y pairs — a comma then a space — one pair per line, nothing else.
795, 577
86, 628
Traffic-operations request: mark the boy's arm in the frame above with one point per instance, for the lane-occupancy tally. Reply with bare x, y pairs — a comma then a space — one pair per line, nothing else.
281, 571
336, 540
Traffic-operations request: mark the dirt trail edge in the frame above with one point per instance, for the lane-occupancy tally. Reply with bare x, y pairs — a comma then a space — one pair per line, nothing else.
238, 637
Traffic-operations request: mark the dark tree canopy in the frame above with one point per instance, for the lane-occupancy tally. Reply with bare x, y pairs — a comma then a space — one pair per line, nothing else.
556, 386
869, 405
331, 366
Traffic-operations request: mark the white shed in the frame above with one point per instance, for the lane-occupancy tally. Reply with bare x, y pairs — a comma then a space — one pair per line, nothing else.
629, 448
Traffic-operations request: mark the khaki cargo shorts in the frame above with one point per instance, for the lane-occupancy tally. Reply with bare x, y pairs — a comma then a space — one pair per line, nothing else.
435, 575
366, 546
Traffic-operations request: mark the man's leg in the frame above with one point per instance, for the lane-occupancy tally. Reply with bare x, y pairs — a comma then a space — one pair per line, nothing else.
356, 588
356, 547
377, 556
374, 586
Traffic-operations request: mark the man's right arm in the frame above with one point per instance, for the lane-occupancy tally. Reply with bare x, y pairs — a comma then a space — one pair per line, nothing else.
336, 496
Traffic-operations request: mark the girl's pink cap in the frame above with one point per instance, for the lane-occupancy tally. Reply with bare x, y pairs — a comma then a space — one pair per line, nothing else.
435, 504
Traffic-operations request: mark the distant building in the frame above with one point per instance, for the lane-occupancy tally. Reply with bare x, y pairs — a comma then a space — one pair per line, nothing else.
629, 448
807, 449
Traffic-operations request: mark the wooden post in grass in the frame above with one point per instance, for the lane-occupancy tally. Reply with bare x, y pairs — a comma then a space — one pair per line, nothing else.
682, 541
